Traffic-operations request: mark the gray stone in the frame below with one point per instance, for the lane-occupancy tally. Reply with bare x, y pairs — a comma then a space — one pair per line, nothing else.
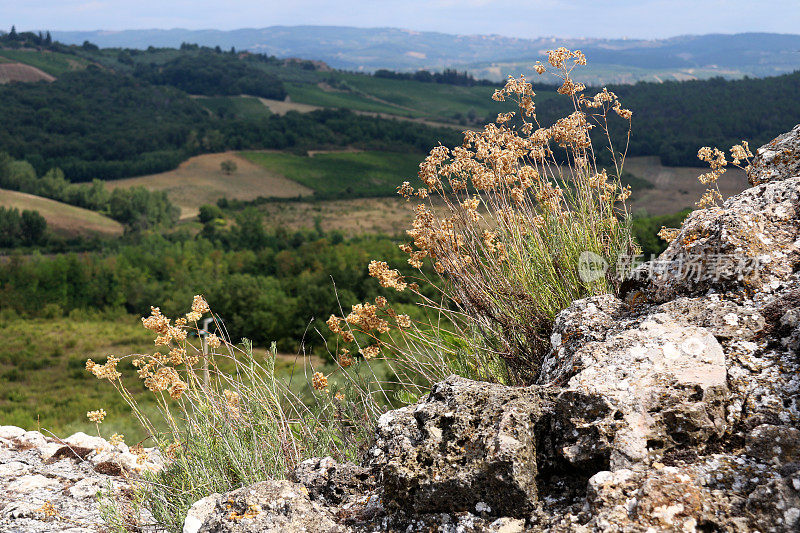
751, 243
468, 442
332, 482
268, 506
778, 159
11, 432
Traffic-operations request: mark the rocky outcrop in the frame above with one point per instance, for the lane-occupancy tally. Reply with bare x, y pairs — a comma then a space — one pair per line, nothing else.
50, 484
673, 408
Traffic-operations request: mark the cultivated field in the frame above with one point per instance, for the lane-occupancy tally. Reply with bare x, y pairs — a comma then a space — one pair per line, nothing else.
676, 188
25, 73
200, 181
52, 63
343, 174
62, 218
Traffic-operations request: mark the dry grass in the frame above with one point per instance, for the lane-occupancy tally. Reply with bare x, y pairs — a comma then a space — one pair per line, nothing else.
676, 188
200, 181
62, 218
359, 216
25, 73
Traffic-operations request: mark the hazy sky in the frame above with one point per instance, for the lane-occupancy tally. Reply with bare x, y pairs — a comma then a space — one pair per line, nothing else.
519, 18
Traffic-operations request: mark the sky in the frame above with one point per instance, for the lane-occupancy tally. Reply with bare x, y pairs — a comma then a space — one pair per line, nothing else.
519, 18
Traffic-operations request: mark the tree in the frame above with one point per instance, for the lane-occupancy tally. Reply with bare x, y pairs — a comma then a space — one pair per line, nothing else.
13, 34
48, 39
228, 167
32, 226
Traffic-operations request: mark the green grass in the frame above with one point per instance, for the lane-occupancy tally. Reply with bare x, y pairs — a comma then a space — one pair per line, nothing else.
53, 63
343, 173
408, 98
241, 107
314, 95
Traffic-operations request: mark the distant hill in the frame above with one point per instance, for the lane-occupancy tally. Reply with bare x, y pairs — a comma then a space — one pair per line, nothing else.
63, 219
491, 56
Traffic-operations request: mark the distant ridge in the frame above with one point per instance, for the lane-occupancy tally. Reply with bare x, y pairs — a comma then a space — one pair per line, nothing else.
492, 56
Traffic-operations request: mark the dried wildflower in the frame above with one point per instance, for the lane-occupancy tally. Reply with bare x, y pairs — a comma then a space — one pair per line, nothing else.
193, 316
339, 397
47, 509
177, 388
172, 449
319, 381
380, 301
96, 416
199, 305
345, 359
107, 371
370, 352
116, 439
386, 277
156, 322
404, 321
177, 356
668, 234
213, 341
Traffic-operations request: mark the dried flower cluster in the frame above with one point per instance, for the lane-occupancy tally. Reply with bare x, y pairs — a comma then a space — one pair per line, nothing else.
96, 416
522, 200
718, 163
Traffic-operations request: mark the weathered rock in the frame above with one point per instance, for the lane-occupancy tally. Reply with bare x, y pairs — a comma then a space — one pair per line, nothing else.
467, 443
751, 243
656, 386
778, 159
42, 490
774, 444
268, 506
332, 482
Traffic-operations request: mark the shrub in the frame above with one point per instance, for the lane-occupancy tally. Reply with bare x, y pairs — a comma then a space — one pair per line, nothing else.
508, 221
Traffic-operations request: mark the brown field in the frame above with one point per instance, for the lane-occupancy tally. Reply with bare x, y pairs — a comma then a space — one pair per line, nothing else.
62, 218
358, 216
200, 181
676, 188
20, 72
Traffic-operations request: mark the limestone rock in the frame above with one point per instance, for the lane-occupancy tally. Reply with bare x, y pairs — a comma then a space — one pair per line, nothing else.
268, 506
751, 243
332, 482
777, 159
466, 443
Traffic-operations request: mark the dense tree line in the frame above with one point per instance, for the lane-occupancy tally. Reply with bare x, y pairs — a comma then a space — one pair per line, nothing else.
212, 74
265, 285
674, 119
94, 124
447, 76
137, 208
21, 229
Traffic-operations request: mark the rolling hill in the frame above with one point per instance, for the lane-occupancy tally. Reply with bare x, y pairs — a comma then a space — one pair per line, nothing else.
492, 56
63, 219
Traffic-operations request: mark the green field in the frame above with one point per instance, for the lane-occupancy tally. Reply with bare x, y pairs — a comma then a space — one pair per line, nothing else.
53, 63
243, 107
403, 97
343, 174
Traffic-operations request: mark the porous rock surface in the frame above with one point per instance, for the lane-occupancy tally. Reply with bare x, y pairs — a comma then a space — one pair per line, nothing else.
49, 484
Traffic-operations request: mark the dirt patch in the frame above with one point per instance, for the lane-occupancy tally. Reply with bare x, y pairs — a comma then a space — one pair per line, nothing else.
200, 181
22, 73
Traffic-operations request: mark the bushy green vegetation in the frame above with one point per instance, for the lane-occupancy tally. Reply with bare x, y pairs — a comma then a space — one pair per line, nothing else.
212, 74
266, 286
137, 208
235, 107
343, 174
21, 229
